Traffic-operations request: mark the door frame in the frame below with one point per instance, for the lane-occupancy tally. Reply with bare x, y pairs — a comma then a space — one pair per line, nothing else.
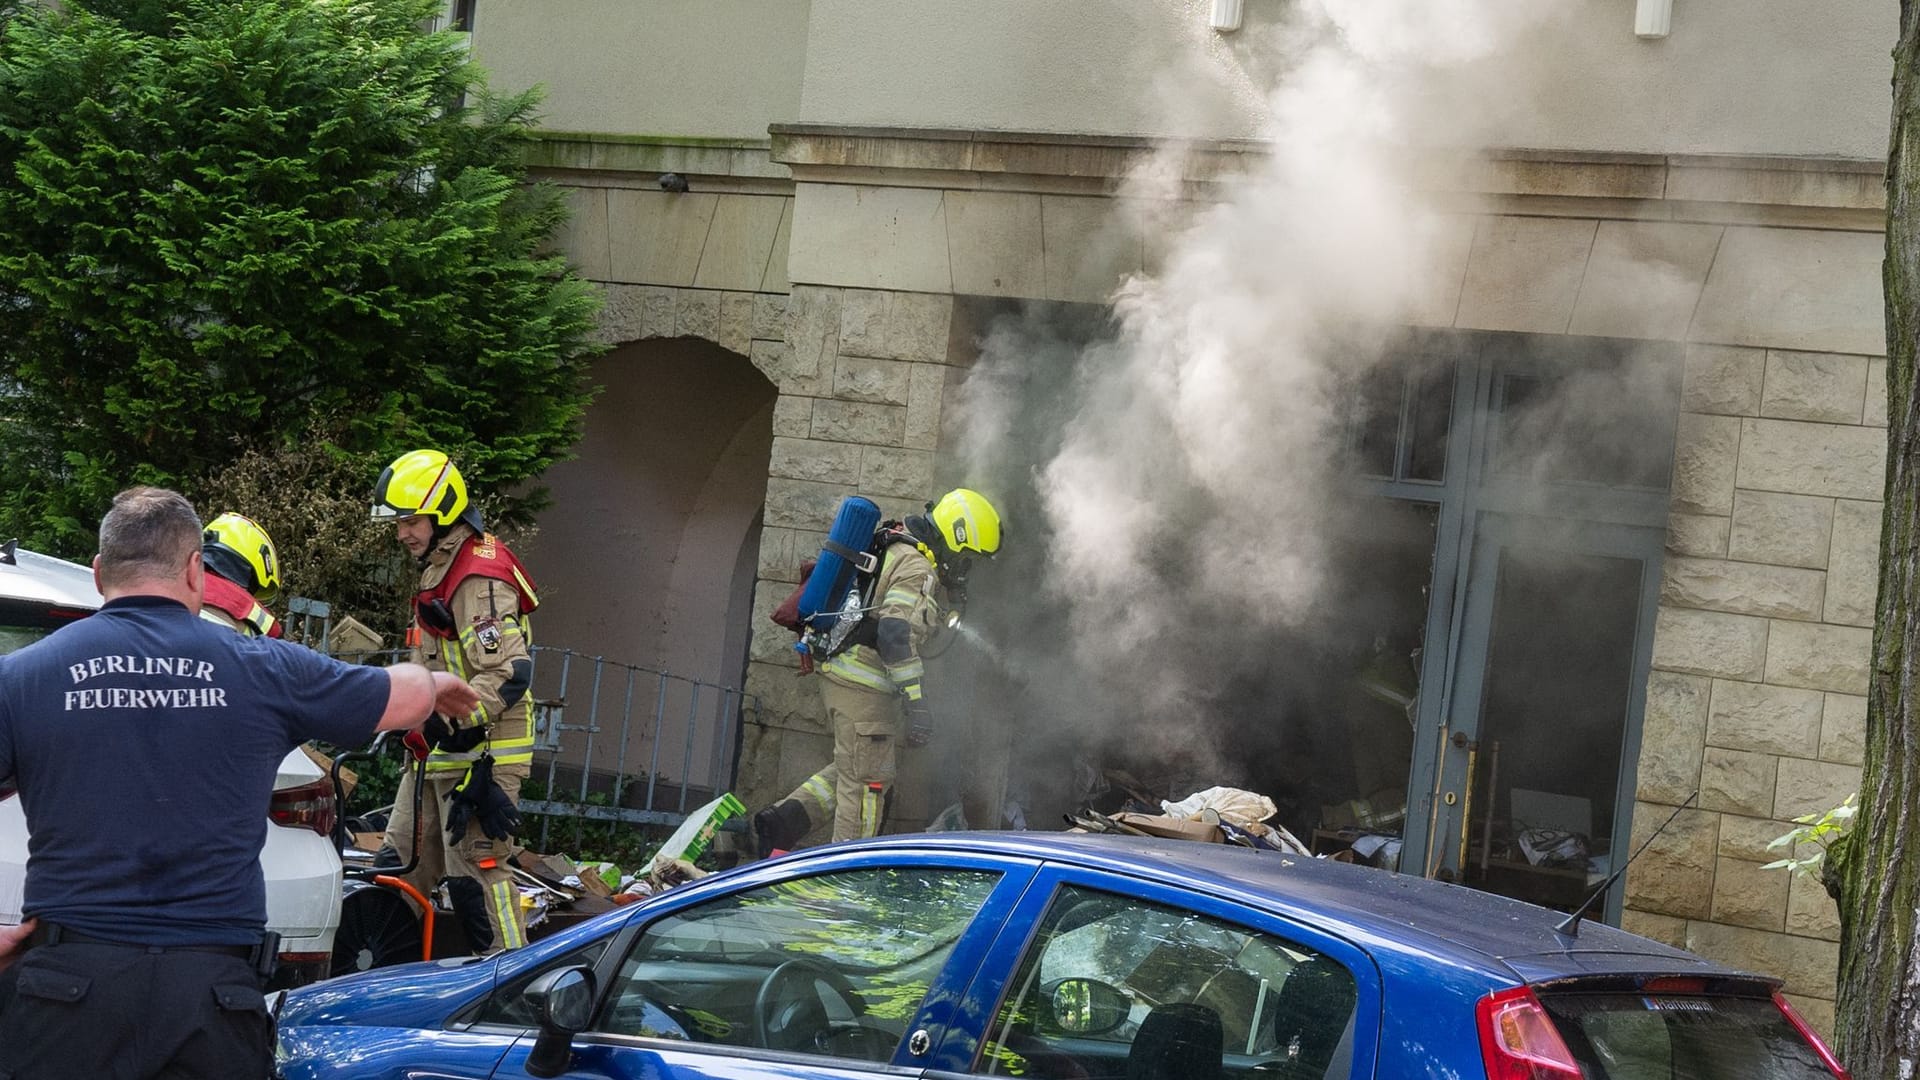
1634, 521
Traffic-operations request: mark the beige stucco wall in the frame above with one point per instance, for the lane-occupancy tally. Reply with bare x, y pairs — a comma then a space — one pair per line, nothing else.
707, 68
1779, 77
1736, 76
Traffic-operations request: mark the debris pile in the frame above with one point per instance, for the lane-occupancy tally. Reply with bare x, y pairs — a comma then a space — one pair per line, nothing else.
1216, 815
556, 891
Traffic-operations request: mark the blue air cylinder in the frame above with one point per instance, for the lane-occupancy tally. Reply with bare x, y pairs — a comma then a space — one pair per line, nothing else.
847, 540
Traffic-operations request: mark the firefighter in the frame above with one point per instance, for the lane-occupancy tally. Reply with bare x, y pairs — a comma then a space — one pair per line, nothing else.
470, 618
146, 896
871, 681
243, 576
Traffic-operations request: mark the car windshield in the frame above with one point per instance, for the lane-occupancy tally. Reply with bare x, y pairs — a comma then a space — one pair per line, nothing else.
1682, 1037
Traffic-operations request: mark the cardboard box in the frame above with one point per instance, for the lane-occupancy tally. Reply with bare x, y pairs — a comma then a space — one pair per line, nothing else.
551, 869
347, 777
1172, 827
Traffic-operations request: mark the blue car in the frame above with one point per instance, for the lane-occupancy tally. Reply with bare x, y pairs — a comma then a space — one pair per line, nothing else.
1064, 956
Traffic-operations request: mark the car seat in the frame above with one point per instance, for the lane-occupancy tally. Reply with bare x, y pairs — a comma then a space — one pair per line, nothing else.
1177, 1041
1311, 1011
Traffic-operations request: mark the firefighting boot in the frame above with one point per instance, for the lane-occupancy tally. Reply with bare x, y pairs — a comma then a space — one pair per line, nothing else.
469, 901
779, 827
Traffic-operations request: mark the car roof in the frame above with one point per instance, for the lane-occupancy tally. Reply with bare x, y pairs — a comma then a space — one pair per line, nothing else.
1378, 909
38, 578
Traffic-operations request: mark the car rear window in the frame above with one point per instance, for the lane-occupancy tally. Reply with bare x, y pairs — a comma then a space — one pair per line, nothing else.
22, 622
1621, 1036
18, 633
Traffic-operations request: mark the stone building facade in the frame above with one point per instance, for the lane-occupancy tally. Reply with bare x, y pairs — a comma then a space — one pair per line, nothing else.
841, 257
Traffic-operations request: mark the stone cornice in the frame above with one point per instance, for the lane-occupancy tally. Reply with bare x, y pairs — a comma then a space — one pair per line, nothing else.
1825, 192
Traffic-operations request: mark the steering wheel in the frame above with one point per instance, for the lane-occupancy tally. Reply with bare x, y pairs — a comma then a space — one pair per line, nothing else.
780, 1010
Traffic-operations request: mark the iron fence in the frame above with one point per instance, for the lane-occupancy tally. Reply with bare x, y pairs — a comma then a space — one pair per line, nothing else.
618, 742
667, 720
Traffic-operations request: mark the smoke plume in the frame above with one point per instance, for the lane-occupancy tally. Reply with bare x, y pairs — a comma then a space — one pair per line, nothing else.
1173, 466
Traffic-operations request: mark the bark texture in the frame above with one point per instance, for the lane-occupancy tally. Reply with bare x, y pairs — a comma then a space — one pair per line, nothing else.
1878, 1017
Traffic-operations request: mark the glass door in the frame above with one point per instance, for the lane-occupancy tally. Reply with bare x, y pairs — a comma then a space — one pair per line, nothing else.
1534, 785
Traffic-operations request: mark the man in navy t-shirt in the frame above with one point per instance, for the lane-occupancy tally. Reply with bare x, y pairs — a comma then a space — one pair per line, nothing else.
144, 742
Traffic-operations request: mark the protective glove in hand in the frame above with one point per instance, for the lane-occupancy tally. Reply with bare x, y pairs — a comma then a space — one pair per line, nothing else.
463, 739
424, 739
440, 733
919, 723
478, 799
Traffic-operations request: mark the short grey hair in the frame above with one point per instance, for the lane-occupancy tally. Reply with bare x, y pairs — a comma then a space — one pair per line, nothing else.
149, 534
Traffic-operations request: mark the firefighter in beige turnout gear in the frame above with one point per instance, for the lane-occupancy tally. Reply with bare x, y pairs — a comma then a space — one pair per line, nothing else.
243, 576
470, 619
869, 683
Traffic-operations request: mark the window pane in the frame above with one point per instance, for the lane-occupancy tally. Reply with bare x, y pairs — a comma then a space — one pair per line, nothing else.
1376, 421
1681, 1037
835, 964
19, 637
1430, 418
509, 1006
1607, 427
1117, 987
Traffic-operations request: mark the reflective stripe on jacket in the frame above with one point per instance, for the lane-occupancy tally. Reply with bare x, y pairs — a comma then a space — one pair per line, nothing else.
234, 607
905, 591
491, 648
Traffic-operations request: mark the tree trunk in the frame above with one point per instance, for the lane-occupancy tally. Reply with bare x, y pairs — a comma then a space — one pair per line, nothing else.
1878, 1013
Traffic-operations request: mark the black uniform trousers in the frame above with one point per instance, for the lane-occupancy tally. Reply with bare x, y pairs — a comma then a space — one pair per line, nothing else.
132, 1013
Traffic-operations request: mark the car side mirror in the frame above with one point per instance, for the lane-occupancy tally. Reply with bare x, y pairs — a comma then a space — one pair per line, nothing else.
563, 1002
1085, 1007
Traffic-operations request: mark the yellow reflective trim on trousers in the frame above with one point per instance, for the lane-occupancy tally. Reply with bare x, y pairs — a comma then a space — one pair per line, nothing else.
820, 791
855, 672
505, 900
906, 671
870, 810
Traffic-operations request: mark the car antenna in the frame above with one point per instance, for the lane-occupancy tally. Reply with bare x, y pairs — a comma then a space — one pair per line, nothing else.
1570, 926
7, 550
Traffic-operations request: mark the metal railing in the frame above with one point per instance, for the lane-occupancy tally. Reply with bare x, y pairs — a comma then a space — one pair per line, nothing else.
666, 719
671, 739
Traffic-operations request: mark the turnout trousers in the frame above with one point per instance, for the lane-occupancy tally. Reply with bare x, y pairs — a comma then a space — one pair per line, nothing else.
475, 866
127, 1012
854, 791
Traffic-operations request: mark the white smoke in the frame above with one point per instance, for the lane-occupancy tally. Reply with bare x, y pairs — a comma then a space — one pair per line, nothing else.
1193, 492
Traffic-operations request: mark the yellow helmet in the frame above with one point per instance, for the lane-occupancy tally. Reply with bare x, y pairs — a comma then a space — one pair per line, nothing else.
424, 483
967, 522
240, 551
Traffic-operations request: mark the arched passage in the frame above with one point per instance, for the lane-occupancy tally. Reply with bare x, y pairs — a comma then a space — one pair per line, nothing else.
647, 554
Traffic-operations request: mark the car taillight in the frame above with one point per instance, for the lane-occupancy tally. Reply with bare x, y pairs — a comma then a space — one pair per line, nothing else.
1518, 1040
1813, 1039
309, 806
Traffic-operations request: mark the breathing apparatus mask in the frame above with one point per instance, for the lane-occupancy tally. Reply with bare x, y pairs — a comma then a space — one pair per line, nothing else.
953, 567
954, 570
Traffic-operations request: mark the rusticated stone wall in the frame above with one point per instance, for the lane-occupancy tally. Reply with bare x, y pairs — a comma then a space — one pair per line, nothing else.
1761, 653
861, 374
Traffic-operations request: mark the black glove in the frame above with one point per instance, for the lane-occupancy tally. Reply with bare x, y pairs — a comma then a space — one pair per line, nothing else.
919, 723
459, 739
423, 740
479, 800
440, 733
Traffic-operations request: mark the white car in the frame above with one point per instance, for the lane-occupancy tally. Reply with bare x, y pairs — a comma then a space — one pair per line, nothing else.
37, 595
